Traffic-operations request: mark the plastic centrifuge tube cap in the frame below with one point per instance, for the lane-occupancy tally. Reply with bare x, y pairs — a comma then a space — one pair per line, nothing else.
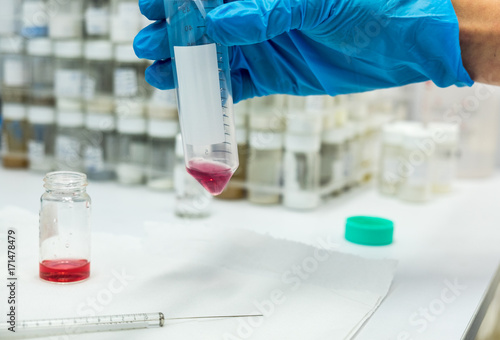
370, 231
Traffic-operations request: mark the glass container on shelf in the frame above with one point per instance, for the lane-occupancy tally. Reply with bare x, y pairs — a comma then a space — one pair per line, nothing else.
132, 143
445, 157
35, 18
101, 146
70, 137
67, 21
97, 18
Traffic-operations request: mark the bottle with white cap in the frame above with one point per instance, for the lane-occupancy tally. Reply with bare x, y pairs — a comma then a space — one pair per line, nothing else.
191, 199
35, 18
132, 141
416, 164
264, 172
67, 21
97, 17
98, 82
69, 77
301, 169
14, 129
15, 70
129, 86
70, 137
236, 187
163, 127
445, 158
100, 153
41, 111
126, 21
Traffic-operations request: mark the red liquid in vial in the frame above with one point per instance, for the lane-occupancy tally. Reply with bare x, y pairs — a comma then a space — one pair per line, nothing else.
67, 270
213, 176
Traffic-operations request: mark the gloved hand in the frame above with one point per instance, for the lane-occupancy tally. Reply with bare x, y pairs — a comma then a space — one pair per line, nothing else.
307, 47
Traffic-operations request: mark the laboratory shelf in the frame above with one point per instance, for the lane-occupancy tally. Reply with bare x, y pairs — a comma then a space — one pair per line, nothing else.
447, 249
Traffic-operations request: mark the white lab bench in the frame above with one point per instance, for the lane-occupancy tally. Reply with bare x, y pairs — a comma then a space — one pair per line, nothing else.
448, 249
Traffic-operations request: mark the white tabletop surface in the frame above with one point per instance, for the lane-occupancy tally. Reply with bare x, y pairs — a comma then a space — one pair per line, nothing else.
448, 249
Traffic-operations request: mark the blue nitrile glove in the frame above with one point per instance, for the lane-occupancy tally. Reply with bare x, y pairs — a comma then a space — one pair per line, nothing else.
307, 47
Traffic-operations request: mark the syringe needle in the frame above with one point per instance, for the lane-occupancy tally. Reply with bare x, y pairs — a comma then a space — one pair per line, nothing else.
215, 317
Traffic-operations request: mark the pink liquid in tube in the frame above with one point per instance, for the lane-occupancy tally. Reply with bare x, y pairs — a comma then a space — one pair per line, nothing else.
213, 176
64, 270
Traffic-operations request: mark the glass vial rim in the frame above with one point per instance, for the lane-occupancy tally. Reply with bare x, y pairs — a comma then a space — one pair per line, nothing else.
65, 181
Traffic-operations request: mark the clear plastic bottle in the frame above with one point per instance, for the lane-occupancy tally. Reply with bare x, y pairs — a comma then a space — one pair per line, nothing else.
70, 140
130, 88
67, 21
125, 20
132, 153
35, 19
65, 228
416, 165
332, 178
100, 153
266, 150
191, 199
161, 153
236, 187
14, 136
97, 18
445, 157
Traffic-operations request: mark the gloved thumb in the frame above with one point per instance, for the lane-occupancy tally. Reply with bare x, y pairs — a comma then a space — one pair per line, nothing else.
253, 21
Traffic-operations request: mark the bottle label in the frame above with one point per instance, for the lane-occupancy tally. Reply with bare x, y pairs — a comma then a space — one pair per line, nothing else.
68, 83
14, 72
97, 21
125, 82
36, 151
199, 90
65, 26
93, 158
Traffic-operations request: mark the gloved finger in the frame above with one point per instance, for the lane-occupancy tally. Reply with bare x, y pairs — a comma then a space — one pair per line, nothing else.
152, 42
251, 22
152, 9
160, 75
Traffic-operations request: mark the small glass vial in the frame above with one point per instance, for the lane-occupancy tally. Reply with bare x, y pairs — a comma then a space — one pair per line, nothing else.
41, 138
9, 25
65, 228
69, 75
161, 155
191, 199
126, 21
67, 21
100, 153
15, 76
41, 61
445, 158
265, 159
390, 177
14, 136
70, 138
132, 141
332, 172
98, 82
35, 21
129, 85
236, 187
97, 16
416, 165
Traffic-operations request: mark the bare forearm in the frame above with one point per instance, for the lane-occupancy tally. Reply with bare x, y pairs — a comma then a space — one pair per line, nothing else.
479, 22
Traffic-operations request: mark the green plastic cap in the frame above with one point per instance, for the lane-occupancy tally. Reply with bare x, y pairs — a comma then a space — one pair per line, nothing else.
370, 231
